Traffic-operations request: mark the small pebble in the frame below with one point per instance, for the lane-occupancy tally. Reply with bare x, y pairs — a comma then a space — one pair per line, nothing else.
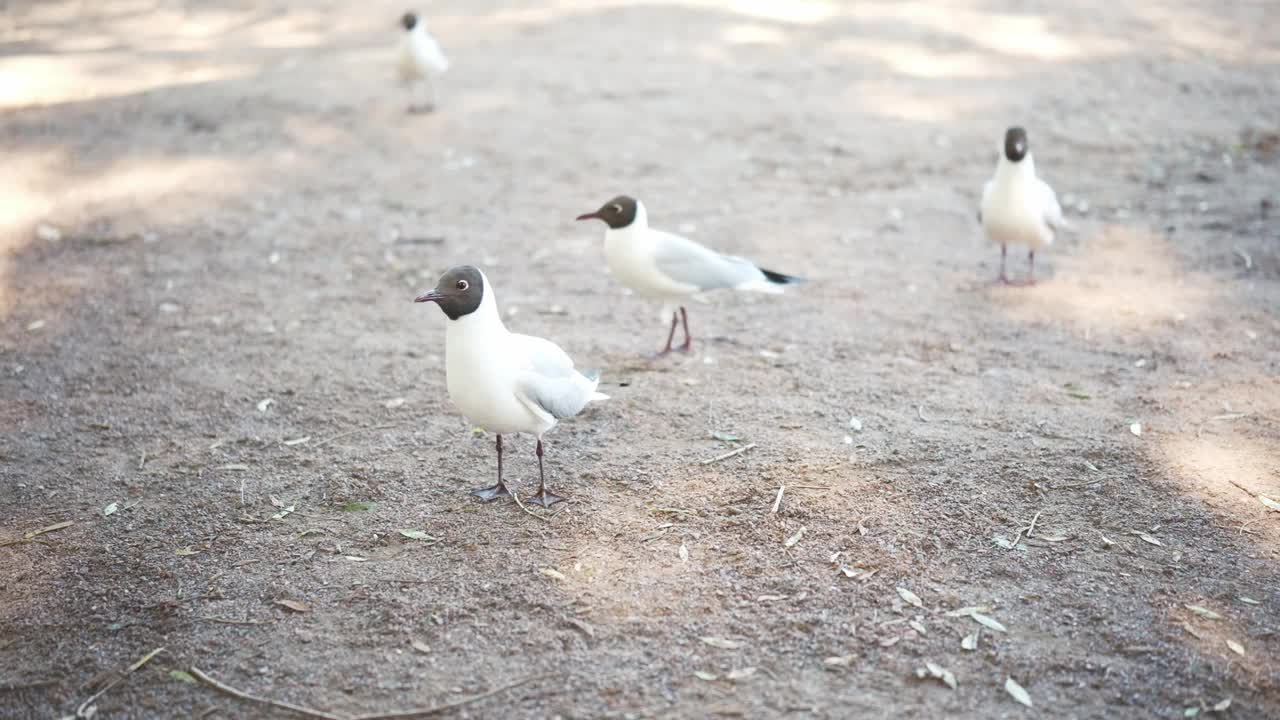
48, 233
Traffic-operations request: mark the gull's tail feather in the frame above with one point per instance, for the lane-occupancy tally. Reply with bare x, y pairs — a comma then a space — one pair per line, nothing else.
594, 377
778, 278
769, 282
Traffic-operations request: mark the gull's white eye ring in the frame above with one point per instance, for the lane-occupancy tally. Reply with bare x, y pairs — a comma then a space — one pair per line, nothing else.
616, 208
463, 285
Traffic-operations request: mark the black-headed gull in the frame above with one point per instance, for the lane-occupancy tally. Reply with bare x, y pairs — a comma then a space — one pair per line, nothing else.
1019, 208
421, 60
672, 268
503, 381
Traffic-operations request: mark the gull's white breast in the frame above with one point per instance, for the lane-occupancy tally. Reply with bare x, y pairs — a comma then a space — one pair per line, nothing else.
1014, 213
482, 369
629, 253
420, 56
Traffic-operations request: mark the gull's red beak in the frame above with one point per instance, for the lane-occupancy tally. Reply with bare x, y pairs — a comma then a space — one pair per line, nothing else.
589, 216
432, 296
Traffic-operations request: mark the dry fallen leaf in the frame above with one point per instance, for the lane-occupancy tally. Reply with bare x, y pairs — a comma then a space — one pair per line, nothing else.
1017, 692
284, 512
297, 441
1107, 541
1249, 601
838, 661
970, 642
1236, 647
264, 404
932, 669
721, 643
964, 611
684, 553
741, 673
415, 534
1204, 612
49, 529
794, 538
890, 642
1192, 631
1222, 705
394, 403
858, 573
109, 509
918, 627
989, 622
1136, 429
583, 626
294, 605
553, 574
771, 598
709, 677
1147, 538
910, 597
187, 551
420, 646
1269, 502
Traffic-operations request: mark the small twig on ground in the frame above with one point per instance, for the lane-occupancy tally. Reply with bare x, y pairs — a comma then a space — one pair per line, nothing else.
142, 460
27, 684
1247, 490
348, 433
445, 707
729, 454
1031, 529
28, 537
1248, 261
80, 711
522, 507
1076, 486
199, 675
777, 502
1028, 530
810, 487
233, 621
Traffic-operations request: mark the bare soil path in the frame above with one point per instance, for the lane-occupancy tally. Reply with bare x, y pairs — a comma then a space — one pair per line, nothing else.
214, 217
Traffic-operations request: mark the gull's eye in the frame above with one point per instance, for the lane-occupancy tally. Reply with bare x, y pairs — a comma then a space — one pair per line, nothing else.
463, 285
616, 208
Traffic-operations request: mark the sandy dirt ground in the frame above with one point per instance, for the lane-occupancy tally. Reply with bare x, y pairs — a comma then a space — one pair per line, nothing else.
219, 402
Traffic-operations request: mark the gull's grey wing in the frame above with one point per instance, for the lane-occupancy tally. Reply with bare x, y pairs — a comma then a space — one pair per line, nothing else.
549, 382
1052, 210
685, 261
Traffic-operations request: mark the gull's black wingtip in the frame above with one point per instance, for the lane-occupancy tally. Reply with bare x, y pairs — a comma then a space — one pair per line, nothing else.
778, 278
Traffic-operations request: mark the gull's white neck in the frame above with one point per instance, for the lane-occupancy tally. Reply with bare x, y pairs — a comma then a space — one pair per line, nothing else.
484, 322
1011, 172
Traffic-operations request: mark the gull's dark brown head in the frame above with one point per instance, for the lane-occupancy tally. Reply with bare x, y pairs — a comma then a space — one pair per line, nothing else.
1015, 144
617, 213
408, 21
458, 292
